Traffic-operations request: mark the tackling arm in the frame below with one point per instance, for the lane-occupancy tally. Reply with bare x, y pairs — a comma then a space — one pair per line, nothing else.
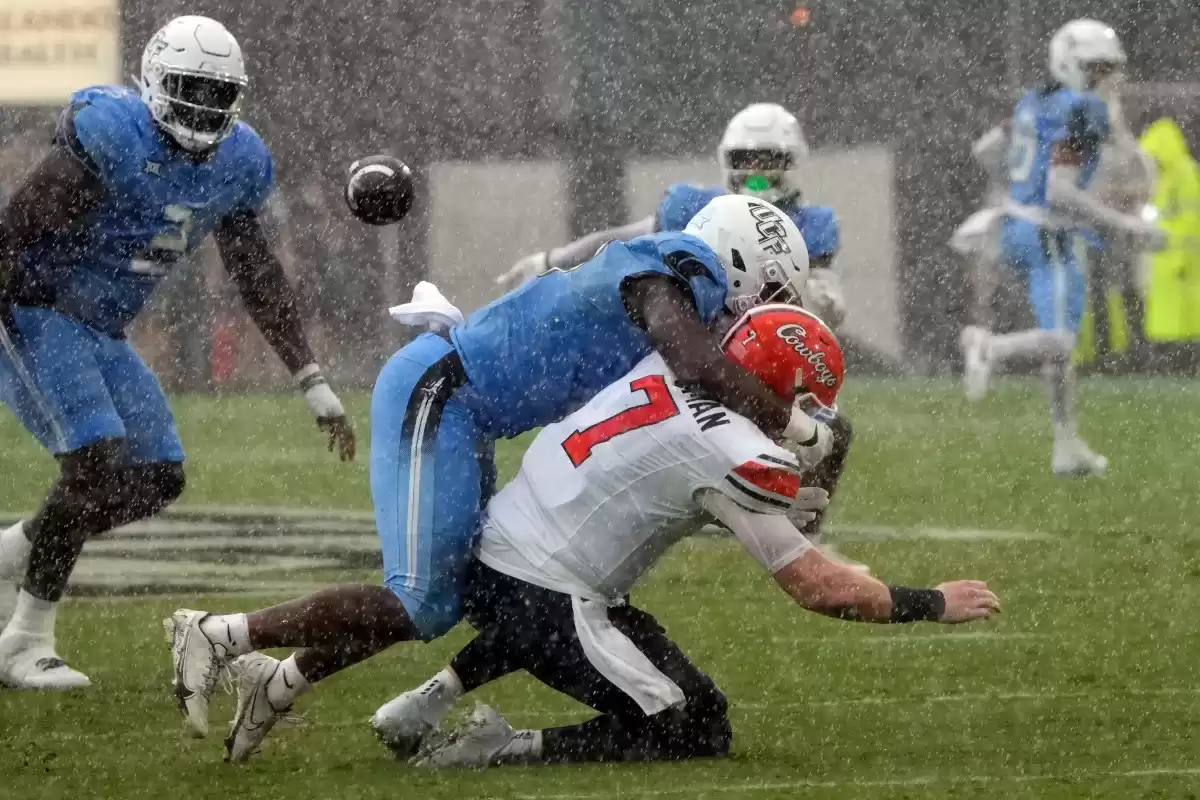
664, 311
573, 254
819, 585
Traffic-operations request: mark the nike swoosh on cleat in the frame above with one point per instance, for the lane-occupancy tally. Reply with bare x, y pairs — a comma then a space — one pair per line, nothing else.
47, 664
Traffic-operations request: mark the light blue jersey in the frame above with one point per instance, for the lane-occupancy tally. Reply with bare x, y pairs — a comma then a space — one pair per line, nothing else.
538, 352
1049, 117
817, 224
1046, 117
526, 360
68, 374
159, 203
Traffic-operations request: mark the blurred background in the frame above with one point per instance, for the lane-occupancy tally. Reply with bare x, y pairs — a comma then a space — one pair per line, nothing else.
529, 122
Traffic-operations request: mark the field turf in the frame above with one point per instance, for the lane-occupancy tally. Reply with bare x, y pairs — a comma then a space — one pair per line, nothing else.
1086, 686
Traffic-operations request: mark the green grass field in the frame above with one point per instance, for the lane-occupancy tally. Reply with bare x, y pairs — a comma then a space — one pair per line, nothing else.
1085, 687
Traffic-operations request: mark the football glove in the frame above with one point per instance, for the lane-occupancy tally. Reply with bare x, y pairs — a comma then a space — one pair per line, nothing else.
327, 408
823, 295
526, 269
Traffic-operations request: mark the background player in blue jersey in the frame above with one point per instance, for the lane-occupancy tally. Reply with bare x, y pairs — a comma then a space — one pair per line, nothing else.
526, 360
1058, 131
760, 154
132, 184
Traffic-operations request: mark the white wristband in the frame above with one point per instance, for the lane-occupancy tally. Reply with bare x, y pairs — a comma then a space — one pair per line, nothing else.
800, 428
307, 372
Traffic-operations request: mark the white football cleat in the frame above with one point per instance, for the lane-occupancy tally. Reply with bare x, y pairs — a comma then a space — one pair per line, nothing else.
836, 556
197, 664
29, 661
475, 745
13, 563
255, 715
404, 722
977, 361
1072, 457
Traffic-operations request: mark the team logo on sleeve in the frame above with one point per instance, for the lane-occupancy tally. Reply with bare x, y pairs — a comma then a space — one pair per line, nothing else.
772, 234
795, 336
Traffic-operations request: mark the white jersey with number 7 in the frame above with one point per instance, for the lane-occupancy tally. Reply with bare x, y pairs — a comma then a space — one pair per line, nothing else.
604, 493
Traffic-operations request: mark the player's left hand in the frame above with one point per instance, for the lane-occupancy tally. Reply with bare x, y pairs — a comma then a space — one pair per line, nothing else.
330, 414
823, 294
810, 500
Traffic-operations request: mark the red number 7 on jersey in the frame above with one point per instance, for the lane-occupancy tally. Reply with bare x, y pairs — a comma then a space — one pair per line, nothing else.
659, 406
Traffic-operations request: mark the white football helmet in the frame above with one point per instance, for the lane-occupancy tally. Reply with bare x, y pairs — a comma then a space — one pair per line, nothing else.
192, 80
1083, 53
764, 255
761, 151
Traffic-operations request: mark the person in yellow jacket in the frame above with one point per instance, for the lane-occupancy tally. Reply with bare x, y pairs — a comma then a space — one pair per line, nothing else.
1173, 288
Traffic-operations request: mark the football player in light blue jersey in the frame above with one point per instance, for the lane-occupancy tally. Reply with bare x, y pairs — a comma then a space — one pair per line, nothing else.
1057, 135
526, 360
760, 154
132, 184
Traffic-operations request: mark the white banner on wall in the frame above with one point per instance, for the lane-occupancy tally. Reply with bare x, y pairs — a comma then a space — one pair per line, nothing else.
50, 48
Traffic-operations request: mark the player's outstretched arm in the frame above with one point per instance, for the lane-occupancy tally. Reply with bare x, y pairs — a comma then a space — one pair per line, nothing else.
59, 192
667, 314
573, 254
271, 303
820, 585
1065, 196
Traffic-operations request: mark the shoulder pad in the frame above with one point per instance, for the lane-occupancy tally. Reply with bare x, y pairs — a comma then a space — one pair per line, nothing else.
104, 126
818, 225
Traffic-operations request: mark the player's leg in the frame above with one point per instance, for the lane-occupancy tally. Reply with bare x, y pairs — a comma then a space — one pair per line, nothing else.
1023, 253
428, 475
539, 632
51, 379
404, 722
1057, 292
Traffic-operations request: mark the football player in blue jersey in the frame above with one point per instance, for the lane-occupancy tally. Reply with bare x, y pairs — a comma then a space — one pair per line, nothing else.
525, 360
1058, 131
131, 185
760, 154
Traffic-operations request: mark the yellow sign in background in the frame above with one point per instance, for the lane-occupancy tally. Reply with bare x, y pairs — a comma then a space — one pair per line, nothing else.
50, 48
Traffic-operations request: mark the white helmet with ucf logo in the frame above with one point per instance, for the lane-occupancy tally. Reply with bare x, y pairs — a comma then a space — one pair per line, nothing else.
761, 151
193, 76
764, 255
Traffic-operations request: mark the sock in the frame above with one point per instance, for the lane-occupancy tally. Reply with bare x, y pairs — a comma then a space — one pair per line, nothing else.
230, 632
286, 684
33, 615
452, 686
14, 550
1060, 377
1035, 343
526, 745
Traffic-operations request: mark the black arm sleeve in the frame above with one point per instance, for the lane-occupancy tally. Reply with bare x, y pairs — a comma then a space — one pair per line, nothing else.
666, 312
54, 197
268, 295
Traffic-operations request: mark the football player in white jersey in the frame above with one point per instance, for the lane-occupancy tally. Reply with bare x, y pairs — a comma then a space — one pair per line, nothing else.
600, 497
